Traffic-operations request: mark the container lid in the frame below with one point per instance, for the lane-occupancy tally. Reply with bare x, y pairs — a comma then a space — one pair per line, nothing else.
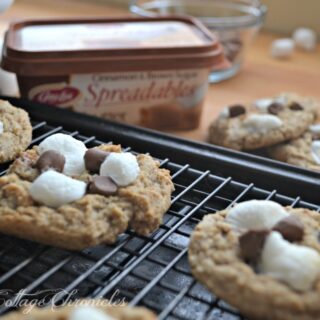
55, 47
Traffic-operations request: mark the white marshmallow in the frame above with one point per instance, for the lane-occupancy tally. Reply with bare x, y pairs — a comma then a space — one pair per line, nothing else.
262, 122
225, 113
305, 38
122, 168
282, 48
315, 128
315, 151
89, 313
54, 189
1, 127
72, 149
255, 214
263, 104
297, 266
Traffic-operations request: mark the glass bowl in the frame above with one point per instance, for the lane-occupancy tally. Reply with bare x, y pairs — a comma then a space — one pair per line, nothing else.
234, 21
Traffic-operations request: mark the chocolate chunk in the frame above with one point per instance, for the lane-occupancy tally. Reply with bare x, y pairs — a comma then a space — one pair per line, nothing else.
236, 110
102, 185
275, 108
51, 160
251, 244
93, 159
295, 106
291, 228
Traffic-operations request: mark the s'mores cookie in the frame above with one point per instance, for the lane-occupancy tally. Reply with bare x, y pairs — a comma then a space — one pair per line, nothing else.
262, 258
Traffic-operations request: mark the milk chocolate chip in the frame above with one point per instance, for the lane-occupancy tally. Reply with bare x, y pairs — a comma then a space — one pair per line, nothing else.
51, 160
275, 108
251, 244
295, 106
93, 159
102, 185
291, 228
236, 110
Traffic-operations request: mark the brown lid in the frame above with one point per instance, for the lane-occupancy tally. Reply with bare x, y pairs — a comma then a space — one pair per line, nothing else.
56, 47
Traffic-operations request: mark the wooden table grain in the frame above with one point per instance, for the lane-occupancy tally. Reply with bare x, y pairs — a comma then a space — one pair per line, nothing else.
261, 75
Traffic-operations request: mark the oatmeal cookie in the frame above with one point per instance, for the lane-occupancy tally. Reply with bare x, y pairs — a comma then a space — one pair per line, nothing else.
217, 261
303, 151
96, 309
272, 121
93, 219
15, 131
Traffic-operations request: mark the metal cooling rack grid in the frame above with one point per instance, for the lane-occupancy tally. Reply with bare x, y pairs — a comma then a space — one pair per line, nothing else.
151, 271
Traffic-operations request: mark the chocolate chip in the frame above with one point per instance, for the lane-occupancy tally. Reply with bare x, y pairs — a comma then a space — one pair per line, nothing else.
275, 108
236, 110
291, 228
93, 159
102, 185
251, 244
315, 136
51, 160
295, 106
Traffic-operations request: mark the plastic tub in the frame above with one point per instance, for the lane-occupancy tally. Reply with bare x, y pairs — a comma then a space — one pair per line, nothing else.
144, 71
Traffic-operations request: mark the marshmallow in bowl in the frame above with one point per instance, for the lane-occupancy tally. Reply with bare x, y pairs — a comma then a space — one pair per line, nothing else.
122, 168
1, 127
255, 214
88, 312
262, 122
296, 265
72, 149
54, 189
263, 104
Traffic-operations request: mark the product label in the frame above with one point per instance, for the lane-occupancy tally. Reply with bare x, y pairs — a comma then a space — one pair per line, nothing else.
134, 97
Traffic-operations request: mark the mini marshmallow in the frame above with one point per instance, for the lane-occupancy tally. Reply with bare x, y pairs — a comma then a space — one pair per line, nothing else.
298, 266
263, 104
1, 127
122, 168
305, 38
315, 128
225, 113
72, 149
282, 48
255, 214
262, 122
315, 151
54, 189
89, 313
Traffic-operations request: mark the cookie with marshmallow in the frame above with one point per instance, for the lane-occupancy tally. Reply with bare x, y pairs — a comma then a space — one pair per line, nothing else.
15, 131
303, 151
85, 309
269, 121
262, 258
80, 197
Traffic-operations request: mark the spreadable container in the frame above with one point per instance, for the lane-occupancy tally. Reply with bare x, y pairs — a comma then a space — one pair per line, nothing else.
151, 72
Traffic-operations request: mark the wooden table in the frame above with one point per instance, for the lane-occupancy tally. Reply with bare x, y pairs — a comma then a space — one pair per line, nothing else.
260, 76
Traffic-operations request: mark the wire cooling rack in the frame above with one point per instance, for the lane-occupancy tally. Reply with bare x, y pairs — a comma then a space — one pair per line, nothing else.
150, 271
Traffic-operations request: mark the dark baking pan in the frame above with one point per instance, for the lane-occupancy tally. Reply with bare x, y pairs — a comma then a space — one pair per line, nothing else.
151, 271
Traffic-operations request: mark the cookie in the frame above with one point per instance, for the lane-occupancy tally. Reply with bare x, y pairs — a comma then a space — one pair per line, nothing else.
86, 309
245, 257
303, 151
15, 131
87, 208
269, 122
